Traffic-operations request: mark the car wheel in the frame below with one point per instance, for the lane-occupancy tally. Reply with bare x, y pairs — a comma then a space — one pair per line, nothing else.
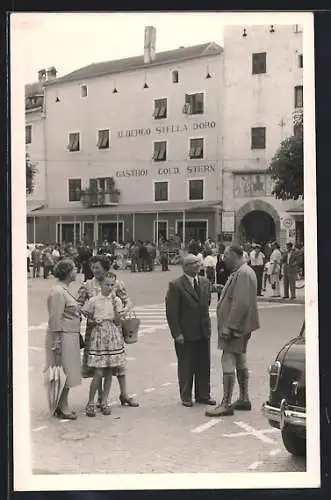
295, 444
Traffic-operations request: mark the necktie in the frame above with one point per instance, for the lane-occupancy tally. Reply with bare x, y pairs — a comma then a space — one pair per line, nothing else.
196, 286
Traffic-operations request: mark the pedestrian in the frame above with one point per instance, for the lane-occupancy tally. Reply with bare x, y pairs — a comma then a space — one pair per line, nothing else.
85, 256
289, 271
202, 266
245, 252
193, 247
56, 255
300, 259
237, 318
36, 256
150, 256
134, 249
100, 266
48, 262
141, 256
63, 332
209, 263
267, 275
187, 310
28, 260
275, 260
256, 259
105, 353
164, 255
222, 272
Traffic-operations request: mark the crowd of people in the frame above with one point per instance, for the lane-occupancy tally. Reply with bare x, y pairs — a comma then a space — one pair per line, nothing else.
138, 256
268, 262
237, 273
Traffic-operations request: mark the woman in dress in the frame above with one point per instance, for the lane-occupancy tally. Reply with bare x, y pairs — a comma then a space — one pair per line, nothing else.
63, 332
100, 266
105, 354
275, 260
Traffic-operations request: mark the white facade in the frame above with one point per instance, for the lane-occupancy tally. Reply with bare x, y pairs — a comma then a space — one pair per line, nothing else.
35, 148
252, 100
232, 170
131, 109
85, 107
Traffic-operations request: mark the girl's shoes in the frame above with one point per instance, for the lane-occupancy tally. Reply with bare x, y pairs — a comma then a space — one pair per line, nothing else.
90, 410
67, 415
105, 409
126, 400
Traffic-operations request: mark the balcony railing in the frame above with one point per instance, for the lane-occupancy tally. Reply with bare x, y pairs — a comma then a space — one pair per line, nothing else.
92, 198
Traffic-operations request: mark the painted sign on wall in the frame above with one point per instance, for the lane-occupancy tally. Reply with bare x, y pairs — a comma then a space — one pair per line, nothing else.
228, 222
165, 129
144, 172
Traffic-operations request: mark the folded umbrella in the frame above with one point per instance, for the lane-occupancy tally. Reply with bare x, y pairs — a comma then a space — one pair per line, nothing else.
54, 381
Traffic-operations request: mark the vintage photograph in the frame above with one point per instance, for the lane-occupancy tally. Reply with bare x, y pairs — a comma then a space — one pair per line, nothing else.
163, 298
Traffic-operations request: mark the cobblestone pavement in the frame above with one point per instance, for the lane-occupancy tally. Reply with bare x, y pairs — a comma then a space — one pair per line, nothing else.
161, 435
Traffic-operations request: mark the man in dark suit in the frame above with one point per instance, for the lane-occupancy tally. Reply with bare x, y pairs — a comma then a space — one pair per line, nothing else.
187, 310
289, 265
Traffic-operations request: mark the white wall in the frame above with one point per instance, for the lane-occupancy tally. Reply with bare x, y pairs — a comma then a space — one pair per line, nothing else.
132, 108
36, 152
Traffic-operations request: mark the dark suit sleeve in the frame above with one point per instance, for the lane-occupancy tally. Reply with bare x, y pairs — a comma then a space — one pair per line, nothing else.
172, 303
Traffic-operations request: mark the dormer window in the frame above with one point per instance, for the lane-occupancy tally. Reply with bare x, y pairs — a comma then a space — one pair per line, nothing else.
83, 91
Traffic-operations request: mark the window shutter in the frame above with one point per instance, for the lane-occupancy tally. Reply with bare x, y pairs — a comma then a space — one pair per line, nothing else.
75, 142
198, 152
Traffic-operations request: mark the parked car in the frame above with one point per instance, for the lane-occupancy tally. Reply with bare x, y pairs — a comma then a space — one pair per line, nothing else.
286, 406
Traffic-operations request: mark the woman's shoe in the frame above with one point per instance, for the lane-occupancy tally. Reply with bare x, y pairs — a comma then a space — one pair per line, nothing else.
126, 400
67, 415
90, 410
105, 409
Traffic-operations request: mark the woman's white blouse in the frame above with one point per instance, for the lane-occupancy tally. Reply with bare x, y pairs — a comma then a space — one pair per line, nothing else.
102, 308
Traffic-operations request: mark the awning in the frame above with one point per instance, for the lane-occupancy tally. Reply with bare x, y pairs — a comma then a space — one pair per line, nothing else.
128, 209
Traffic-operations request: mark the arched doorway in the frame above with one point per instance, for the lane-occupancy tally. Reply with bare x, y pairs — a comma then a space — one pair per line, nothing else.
257, 226
257, 220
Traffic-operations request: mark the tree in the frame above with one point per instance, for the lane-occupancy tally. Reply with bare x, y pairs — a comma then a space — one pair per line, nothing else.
286, 167
30, 172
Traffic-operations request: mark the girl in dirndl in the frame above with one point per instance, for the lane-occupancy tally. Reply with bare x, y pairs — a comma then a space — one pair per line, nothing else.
105, 352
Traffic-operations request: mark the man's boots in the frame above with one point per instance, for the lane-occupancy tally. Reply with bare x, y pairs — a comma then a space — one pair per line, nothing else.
225, 408
243, 403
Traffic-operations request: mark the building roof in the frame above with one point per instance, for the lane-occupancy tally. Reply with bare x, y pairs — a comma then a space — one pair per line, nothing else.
137, 62
126, 209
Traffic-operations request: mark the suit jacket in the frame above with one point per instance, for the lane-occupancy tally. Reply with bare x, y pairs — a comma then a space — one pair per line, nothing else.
187, 313
237, 307
290, 267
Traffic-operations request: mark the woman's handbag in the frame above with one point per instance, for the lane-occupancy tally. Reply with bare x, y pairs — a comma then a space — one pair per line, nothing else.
129, 324
130, 327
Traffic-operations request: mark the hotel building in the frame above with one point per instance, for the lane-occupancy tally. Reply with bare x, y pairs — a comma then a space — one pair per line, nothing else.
133, 148
175, 142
